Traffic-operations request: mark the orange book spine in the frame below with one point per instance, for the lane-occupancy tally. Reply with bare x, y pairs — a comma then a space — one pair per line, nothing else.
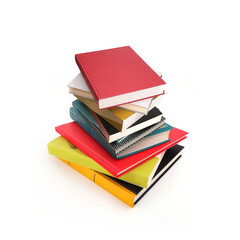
105, 182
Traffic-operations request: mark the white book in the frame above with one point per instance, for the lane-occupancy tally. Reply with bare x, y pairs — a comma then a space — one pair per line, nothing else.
79, 88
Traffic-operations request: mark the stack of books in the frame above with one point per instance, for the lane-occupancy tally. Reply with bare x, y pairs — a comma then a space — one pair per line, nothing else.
118, 138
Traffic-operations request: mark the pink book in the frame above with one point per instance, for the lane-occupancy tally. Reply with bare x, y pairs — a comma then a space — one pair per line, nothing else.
118, 76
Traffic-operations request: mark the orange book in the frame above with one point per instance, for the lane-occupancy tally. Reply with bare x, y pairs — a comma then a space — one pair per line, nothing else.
127, 192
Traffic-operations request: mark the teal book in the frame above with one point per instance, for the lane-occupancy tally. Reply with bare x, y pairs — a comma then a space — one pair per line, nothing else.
134, 143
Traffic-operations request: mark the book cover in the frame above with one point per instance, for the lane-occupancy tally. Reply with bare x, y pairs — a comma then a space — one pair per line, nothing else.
126, 192
141, 175
82, 140
118, 76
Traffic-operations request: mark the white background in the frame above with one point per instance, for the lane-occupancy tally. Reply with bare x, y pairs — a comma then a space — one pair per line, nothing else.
195, 44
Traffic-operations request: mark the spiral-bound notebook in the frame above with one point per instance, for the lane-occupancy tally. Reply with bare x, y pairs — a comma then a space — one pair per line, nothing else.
155, 134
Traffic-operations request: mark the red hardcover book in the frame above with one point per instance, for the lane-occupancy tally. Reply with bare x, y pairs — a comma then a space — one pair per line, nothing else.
118, 76
82, 140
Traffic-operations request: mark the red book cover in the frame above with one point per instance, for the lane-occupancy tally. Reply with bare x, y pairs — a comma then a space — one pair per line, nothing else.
117, 76
82, 140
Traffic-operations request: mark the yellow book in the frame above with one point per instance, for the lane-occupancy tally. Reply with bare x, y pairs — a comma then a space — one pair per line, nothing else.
106, 183
141, 175
120, 118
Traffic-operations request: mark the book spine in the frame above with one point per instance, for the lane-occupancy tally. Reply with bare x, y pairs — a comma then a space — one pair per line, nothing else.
87, 79
75, 158
106, 183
